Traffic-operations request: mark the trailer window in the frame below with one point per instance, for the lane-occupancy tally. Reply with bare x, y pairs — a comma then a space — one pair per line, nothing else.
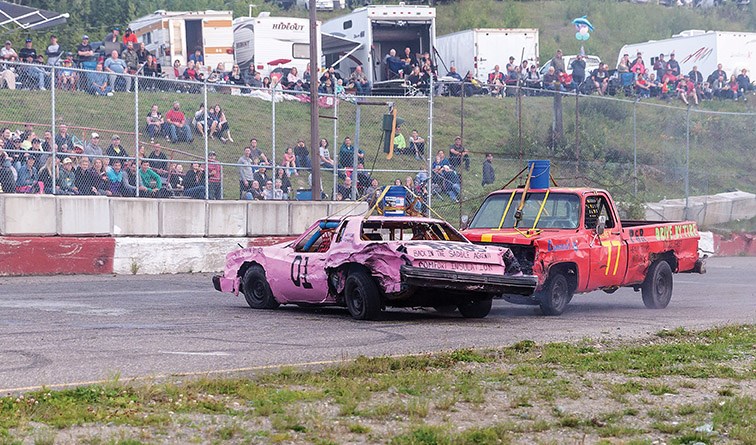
300, 50
347, 24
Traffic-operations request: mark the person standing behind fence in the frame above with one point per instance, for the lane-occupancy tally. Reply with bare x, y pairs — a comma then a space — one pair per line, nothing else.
53, 51
458, 154
489, 174
246, 172
214, 176
303, 154
178, 128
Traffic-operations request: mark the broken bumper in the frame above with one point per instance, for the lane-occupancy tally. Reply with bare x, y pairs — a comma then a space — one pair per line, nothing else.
463, 281
223, 284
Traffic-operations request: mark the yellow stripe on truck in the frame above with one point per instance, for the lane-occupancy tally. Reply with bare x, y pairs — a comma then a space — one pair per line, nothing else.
486, 238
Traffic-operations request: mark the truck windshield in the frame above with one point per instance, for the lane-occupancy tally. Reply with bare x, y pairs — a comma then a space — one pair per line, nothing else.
560, 211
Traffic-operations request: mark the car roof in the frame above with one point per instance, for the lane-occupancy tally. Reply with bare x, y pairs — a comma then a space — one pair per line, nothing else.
379, 218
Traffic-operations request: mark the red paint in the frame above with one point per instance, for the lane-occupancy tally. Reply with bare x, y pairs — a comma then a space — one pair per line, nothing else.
269, 240
56, 255
619, 257
739, 244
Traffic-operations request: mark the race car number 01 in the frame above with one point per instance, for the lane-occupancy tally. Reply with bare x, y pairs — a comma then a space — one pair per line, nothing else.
299, 279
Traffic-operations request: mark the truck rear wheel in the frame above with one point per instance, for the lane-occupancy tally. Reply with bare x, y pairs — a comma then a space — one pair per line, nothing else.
555, 295
657, 288
362, 296
257, 290
476, 308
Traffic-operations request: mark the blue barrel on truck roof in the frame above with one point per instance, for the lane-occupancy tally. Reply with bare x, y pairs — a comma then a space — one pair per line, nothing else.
541, 176
394, 201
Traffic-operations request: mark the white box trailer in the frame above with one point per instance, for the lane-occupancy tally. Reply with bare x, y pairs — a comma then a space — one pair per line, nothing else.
174, 36
705, 49
376, 29
271, 42
479, 50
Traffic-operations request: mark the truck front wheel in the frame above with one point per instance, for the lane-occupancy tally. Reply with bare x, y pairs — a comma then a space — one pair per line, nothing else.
657, 288
555, 295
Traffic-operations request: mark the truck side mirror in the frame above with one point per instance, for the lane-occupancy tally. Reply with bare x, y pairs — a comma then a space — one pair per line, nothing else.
465, 220
601, 225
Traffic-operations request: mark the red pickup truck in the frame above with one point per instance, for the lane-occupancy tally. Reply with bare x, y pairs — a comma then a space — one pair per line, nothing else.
573, 240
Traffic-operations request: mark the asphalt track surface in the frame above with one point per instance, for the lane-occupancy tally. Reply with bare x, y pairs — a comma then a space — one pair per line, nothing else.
59, 331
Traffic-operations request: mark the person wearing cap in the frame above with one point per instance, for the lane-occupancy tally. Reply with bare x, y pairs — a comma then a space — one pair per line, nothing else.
93, 148
29, 55
37, 151
115, 150
85, 54
67, 78
215, 176
129, 37
458, 153
53, 51
112, 41
7, 52
66, 183
28, 176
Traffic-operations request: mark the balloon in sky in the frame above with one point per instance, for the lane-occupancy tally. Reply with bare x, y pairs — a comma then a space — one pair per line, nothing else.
583, 27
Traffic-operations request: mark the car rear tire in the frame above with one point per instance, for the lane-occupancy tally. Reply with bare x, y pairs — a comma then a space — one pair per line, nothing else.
363, 299
476, 308
657, 288
555, 295
257, 290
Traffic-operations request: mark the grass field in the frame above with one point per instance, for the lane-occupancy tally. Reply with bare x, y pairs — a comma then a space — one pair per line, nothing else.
678, 387
721, 145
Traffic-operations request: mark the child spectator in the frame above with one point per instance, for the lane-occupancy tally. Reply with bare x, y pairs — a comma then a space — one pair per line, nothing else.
489, 175
155, 123
290, 162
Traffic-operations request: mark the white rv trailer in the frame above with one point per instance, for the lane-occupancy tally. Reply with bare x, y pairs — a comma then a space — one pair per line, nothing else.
175, 35
705, 49
377, 29
479, 50
323, 5
271, 42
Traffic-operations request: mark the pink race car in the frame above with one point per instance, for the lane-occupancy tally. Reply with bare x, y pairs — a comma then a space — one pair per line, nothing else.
367, 264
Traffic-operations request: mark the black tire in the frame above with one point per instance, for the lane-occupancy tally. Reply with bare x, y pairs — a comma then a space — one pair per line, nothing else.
445, 309
555, 295
363, 299
657, 288
476, 308
257, 290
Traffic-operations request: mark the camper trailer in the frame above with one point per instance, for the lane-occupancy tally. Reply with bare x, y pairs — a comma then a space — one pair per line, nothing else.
272, 42
174, 36
377, 29
479, 50
705, 49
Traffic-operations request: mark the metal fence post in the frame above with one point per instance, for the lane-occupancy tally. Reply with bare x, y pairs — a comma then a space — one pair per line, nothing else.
635, 148
272, 129
355, 151
335, 138
687, 161
54, 145
207, 166
429, 148
136, 134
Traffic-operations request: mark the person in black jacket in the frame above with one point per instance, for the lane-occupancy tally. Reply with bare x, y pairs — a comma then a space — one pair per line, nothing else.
194, 182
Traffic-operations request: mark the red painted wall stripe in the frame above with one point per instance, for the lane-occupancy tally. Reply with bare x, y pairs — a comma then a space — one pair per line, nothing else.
263, 241
56, 255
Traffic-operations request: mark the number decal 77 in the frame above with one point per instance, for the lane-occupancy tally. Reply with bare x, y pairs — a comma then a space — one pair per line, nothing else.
609, 244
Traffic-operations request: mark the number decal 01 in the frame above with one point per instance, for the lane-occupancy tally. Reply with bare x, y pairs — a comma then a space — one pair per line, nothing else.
300, 279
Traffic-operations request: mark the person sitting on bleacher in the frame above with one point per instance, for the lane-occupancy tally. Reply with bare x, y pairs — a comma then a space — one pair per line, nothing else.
394, 65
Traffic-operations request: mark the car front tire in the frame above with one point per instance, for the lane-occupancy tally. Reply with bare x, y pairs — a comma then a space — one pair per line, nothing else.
362, 296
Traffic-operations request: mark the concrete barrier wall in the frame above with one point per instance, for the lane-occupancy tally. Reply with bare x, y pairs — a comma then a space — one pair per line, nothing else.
705, 210
45, 215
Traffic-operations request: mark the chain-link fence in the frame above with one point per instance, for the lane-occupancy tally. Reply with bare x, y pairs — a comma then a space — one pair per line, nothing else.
237, 142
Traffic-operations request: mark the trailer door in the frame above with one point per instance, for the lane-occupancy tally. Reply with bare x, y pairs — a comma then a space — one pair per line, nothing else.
176, 31
487, 48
